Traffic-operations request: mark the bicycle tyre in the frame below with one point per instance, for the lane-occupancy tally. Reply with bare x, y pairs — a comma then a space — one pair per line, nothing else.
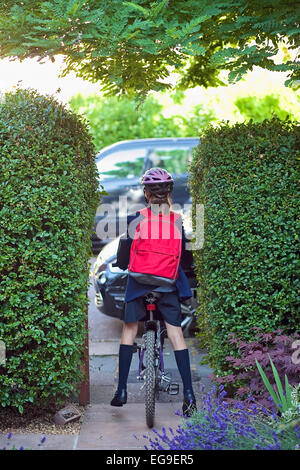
150, 378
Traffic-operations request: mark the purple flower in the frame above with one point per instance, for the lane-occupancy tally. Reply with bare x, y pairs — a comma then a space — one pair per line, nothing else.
42, 441
220, 426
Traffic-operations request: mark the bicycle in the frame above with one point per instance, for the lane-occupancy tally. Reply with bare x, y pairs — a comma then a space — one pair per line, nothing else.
152, 371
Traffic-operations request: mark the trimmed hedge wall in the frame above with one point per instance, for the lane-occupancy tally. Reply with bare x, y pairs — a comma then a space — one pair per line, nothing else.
48, 199
246, 177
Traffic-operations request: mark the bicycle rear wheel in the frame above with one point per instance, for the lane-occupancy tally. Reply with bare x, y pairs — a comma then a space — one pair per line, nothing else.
150, 378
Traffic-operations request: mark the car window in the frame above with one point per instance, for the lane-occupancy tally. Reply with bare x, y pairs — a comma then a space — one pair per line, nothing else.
122, 164
174, 160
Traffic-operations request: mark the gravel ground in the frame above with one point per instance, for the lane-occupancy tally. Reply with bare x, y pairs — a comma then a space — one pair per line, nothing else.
37, 421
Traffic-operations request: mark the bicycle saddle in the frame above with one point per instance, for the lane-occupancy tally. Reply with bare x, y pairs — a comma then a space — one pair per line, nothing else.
151, 297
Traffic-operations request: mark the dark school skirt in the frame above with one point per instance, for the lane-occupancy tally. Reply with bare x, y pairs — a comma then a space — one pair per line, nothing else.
168, 306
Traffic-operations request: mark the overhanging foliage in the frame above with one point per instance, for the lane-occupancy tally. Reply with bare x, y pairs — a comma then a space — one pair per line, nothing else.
131, 47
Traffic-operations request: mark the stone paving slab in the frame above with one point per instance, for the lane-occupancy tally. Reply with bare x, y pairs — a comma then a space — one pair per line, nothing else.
101, 394
102, 376
32, 440
104, 348
112, 428
136, 395
102, 369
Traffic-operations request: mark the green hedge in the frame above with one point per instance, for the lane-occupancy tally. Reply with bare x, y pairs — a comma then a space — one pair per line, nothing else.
48, 200
246, 177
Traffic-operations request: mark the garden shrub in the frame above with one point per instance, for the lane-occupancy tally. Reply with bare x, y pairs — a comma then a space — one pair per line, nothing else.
246, 177
246, 376
48, 199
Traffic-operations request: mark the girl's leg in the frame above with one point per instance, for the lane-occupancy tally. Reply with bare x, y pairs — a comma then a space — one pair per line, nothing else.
125, 357
129, 333
181, 352
176, 337
125, 352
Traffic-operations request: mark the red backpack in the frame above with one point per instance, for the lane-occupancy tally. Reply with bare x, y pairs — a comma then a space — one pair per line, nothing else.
156, 249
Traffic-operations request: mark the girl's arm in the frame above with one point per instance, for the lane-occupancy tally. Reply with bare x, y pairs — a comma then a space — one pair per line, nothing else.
186, 255
125, 242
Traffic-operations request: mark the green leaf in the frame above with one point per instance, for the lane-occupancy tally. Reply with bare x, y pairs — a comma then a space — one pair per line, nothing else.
279, 386
288, 393
139, 8
269, 387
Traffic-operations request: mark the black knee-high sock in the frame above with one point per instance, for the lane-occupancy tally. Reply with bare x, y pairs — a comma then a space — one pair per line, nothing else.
125, 357
183, 363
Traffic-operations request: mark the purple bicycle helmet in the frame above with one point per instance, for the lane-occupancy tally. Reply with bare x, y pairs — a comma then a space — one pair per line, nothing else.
156, 176
158, 181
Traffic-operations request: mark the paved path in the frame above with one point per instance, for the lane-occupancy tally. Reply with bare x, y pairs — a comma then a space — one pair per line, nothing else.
107, 427
111, 428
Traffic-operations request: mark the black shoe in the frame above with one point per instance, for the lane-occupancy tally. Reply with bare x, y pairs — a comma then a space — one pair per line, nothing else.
120, 398
189, 404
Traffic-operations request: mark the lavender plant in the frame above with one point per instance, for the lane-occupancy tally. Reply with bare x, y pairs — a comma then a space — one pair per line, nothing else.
220, 426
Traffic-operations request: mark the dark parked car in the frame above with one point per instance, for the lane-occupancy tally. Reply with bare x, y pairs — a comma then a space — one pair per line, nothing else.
121, 166
110, 285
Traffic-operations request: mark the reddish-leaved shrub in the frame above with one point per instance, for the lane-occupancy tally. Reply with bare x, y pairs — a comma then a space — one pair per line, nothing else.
246, 378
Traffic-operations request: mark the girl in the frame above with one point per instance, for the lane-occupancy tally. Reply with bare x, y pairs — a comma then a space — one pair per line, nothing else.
158, 185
